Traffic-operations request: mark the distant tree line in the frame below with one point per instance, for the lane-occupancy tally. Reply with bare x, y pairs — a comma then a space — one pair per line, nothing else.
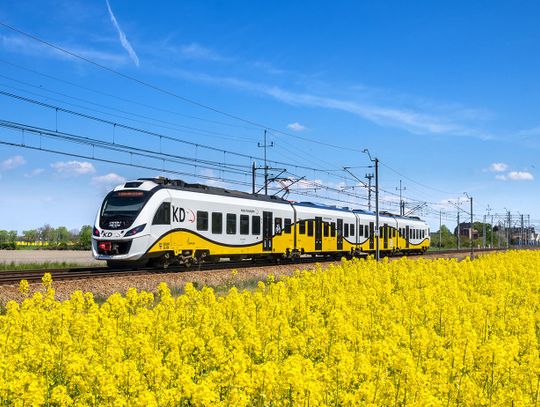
48, 237
445, 239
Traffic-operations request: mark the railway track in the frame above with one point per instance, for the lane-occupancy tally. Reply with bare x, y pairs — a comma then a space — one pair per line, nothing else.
32, 276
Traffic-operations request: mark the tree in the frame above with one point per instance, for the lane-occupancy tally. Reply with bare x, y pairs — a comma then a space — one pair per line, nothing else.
85, 237
62, 236
30, 236
443, 238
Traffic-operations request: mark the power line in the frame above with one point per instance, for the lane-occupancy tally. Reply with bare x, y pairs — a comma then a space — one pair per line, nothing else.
176, 127
165, 91
147, 132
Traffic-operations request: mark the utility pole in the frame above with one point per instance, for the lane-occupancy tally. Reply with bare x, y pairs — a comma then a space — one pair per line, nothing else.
253, 176
369, 177
491, 231
440, 228
484, 233
265, 163
471, 229
401, 203
377, 231
508, 232
458, 227
528, 230
521, 234
488, 209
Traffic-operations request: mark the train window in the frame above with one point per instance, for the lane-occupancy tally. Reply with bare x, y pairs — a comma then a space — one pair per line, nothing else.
163, 214
360, 230
310, 228
256, 225
333, 229
326, 229
352, 229
202, 220
278, 226
346, 230
287, 226
302, 227
217, 222
231, 224
244, 224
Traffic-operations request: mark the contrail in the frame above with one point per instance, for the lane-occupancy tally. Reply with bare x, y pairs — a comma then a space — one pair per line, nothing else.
123, 39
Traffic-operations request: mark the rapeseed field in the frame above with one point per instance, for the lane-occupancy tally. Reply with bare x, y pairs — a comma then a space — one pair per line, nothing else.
407, 332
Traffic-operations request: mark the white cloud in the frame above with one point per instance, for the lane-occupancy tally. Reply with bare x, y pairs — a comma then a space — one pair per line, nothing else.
12, 163
24, 46
296, 126
498, 167
211, 179
500, 177
520, 176
197, 51
411, 120
109, 179
73, 168
34, 173
122, 36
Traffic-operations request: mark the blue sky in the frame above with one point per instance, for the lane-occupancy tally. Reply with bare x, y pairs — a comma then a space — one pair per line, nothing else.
446, 95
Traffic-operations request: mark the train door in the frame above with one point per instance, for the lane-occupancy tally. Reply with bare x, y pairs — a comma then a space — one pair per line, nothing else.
339, 234
267, 231
407, 236
371, 236
318, 233
385, 236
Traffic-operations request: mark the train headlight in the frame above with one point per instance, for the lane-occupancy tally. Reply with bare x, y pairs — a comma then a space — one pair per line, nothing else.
95, 232
136, 230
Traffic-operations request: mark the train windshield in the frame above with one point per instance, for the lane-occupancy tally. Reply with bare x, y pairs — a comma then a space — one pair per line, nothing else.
120, 209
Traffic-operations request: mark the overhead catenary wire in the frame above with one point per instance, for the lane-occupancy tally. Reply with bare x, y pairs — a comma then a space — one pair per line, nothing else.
123, 99
150, 133
166, 91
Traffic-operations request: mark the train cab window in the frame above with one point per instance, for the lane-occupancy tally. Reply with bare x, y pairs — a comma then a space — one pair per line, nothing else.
202, 220
231, 224
333, 229
302, 227
361, 230
244, 224
256, 225
163, 214
326, 229
346, 230
217, 222
309, 228
287, 226
352, 229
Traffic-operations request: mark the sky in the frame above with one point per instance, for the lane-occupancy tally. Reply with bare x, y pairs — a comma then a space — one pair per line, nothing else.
445, 94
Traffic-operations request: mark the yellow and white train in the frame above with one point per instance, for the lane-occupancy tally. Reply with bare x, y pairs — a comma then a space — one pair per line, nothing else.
160, 221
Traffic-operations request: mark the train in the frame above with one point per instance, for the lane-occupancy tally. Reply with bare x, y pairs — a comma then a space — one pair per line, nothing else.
159, 222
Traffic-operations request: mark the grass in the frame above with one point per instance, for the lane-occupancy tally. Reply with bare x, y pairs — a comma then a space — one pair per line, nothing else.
36, 266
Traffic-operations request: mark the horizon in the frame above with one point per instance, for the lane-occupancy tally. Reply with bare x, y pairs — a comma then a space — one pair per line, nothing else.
443, 94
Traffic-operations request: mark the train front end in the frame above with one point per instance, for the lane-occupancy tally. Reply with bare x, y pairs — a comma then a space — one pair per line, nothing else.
121, 233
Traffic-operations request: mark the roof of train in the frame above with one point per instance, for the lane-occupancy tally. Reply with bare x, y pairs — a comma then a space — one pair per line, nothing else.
205, 189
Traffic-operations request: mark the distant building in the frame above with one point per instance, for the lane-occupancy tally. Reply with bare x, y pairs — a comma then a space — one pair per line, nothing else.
465, 231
